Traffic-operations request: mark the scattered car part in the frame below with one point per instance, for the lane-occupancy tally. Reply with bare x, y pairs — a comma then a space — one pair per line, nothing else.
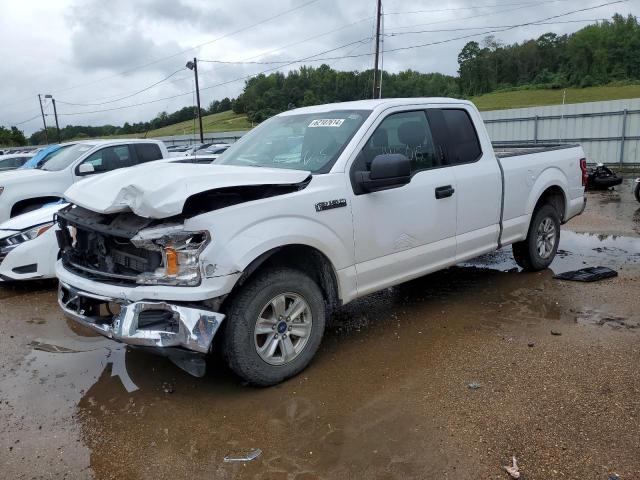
602, 178
513, 470
589, 274
252, 455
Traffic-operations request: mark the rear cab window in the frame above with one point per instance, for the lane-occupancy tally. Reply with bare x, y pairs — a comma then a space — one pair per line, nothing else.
463, 144
147, 152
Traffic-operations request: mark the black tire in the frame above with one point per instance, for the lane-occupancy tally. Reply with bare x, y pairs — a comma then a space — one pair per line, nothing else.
526, 252
239, 344
636, 191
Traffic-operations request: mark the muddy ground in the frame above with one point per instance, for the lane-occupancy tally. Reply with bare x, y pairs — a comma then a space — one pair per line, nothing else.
388, 395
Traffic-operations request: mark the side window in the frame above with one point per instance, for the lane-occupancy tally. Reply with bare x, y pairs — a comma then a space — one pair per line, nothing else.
407, 133
147, 152
110, 158
464, 146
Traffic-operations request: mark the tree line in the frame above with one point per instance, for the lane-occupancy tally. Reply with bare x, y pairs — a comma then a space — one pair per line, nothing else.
598, 54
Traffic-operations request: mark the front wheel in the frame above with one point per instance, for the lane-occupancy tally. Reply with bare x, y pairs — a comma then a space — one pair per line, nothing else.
274, 326
537, 251
636, 191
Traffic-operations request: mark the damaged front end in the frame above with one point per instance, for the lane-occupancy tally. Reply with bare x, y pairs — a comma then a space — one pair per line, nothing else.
127, 250
182, 333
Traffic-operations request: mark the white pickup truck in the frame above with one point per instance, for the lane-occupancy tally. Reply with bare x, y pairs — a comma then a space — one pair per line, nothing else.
24, 190
312, 209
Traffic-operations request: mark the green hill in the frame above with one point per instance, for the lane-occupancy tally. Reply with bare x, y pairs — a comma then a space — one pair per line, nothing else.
536, 98
217, 122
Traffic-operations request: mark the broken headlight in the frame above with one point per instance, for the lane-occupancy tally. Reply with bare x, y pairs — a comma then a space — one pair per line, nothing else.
180, 252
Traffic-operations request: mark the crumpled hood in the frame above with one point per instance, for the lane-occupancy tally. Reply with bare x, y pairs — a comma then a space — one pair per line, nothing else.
160, 190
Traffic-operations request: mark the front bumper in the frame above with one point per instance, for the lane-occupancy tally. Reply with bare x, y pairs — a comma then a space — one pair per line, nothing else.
142, 323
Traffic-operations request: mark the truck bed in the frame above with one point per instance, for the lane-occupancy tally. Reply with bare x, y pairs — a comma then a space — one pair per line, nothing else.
506, 149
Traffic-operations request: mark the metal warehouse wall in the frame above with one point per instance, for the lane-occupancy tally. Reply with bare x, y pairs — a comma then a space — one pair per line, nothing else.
608, 131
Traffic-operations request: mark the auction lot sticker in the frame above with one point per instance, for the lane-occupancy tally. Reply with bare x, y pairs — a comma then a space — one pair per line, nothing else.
327, 122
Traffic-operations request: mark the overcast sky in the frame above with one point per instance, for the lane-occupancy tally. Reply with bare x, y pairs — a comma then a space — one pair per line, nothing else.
94, 51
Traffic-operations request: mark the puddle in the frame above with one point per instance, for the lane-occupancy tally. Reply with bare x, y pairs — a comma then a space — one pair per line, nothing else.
576, 251
594, 317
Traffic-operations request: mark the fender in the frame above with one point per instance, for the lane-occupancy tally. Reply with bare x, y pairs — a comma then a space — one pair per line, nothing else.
248, 244
549, 177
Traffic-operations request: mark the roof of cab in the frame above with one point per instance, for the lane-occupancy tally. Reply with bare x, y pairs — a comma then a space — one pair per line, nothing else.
382, 103
101, 141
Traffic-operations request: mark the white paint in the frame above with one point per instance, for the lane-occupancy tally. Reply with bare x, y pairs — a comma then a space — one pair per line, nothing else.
379, 239
25, 184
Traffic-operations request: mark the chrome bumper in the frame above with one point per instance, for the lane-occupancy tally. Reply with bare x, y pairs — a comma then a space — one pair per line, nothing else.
143, 323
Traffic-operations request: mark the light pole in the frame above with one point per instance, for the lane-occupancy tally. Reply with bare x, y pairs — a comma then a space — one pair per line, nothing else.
194, 66
46, 136
55, 114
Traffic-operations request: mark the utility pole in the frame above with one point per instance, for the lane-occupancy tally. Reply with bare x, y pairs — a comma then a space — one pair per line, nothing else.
55, 114
376, 70
46, 137
194, 66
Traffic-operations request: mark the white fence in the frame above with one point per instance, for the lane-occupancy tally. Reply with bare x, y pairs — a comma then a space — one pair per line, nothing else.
608, 131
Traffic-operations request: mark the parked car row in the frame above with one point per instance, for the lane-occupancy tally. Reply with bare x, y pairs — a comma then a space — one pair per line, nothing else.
312, 209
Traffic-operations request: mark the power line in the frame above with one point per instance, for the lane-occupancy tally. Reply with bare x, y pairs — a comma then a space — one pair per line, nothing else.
393, 34
25, 121
126, 96
473, 17
313, 59
138, 67
475, 7
510, 27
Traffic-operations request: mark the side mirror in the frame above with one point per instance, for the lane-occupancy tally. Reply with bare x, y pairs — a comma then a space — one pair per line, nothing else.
85, 169
391, 170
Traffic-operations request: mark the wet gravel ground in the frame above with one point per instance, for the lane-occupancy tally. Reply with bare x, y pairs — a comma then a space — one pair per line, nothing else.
388, 395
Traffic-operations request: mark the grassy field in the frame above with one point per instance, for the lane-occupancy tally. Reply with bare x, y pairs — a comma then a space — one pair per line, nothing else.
217, 122
535, 98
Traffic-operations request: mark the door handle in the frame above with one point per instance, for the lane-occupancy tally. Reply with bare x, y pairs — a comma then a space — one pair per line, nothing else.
444, 192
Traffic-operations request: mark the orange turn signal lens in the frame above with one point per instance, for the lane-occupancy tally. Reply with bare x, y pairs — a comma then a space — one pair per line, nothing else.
172, 260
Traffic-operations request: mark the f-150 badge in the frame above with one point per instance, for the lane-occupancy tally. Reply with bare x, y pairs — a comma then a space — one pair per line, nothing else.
321, 206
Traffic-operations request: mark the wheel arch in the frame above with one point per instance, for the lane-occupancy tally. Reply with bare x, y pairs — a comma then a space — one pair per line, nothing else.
551, 186
302, 257
28, 202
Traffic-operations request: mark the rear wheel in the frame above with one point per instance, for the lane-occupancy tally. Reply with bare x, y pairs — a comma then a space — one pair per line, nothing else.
636, 191
538, 250
274, 326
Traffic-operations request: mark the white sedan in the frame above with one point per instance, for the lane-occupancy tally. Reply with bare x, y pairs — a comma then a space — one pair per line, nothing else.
28, 245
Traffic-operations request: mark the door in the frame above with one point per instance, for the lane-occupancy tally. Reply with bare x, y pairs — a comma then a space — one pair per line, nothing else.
404, 232
479, 186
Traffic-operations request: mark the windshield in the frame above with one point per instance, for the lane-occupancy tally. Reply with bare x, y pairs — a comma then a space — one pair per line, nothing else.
61, 159
311, 141
41, 157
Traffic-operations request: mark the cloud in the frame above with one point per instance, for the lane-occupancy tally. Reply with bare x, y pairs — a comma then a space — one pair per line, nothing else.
77, 49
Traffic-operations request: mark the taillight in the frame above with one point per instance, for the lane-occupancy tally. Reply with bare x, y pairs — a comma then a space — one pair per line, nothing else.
585, 175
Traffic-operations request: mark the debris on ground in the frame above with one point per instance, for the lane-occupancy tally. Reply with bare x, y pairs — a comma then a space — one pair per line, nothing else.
252, 455
474, 385
614, 476
531, 344
513, 469
589, 274
168, 388
556, 333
